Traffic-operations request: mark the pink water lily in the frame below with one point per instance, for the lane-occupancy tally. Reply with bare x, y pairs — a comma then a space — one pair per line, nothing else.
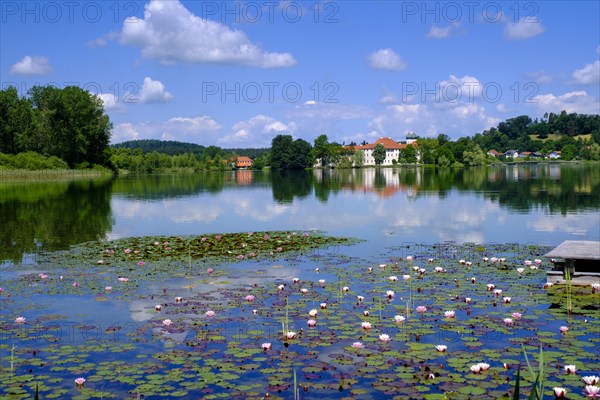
20, 320
108, 288
366, 325
322, 281
449, 314
591, 380
399, 318
508, 321
210, 313
311, 323
475, 368
141, 263
178, 299
358, 345
266, 346
564, 329
167, 322
592, 391
516, 315
80, 381
421, 309
210, 271
384, 338
75, 284
123, 279
250, 298
296, 280
409, 258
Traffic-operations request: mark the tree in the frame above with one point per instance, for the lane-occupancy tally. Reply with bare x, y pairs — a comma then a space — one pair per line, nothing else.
281, 151
379, 154
322, 150
358, 159
301, 156
408, 155
473, 156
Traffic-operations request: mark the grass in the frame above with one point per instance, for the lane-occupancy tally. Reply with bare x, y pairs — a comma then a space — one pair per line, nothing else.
555, 137
13, 175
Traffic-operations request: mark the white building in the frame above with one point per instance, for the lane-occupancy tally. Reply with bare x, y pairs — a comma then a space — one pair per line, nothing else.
392, 150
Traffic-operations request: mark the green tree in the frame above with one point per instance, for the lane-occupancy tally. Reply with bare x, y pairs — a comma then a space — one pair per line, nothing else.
301, 156
15, 121
281, 151
473, 156
568, 152
359, 158
322, 150
379, 154
408, 155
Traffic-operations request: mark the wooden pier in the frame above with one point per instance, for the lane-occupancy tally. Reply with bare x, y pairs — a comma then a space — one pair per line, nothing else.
580, 257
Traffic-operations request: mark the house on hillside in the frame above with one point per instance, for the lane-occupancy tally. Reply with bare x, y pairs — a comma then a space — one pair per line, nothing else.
243, 162
493, 153
525, 154
554, 155
511, 154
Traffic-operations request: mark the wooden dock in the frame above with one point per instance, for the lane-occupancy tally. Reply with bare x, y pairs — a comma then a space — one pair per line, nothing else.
580, 257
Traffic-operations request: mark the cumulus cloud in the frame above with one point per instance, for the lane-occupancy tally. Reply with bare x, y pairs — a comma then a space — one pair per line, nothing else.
437, 32
111, 102
171, 33
386, 59
589, 74
572, 102
103, 40
201, 129
258, 131
32, 65
154, 92
524, 28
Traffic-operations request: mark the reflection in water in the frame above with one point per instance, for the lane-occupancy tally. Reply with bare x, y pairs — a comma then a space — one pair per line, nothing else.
49, 216
445, 204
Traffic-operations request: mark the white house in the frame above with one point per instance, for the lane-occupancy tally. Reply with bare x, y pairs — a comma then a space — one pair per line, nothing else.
392, 151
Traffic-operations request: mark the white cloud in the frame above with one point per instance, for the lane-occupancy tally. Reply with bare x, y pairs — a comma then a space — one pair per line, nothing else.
110, 102
386, 59
103, 40
154, 92
539, 77
590, 74
437, 32
124, 132
171, 33
32, 65
258, 131
572, 102
201, 129
523, 29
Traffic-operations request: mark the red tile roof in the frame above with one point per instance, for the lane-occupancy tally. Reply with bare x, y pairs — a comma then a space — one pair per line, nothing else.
388, 143
243, 161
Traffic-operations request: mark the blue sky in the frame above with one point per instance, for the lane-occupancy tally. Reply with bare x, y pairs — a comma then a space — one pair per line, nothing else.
236, 74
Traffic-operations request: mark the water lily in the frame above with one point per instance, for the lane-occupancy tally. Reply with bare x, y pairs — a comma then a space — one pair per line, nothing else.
108, 288
249, 298
468, 263
595, 287
461, 262
358, 345
123, 279
167, 322
416, 268
290, 334
384, 338
533, 267
508, 321
421, 309
382, 265
141, 263
486, 259
279, 249
449, 314
441, 348
527, 262
370, 269
366, 313
323, 306
570, 369
20, 320
43, 276
520, 270
467, 300
158, 307
210, 271
311, 323
255, 311
406, 277
281, 287
313, 312
498, 292
592, 391
399, 318
127, 251
296, 280
559, 392
484, 366
360, 298
393, 278
366, 325
490, 286
473, 280
80, 382
409, 258
516, 315
346, 289
439, 269
430, 260
75, 284
178, 299
210, 313
591, 380
322, 281
506, 300
303, 291
240, 257
564, 329
475, 368
390, 294
266, 346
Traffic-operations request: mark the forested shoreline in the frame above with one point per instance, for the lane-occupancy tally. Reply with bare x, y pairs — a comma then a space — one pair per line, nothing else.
61, 129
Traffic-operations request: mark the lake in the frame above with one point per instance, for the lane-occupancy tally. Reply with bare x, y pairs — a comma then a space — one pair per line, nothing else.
62, 244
